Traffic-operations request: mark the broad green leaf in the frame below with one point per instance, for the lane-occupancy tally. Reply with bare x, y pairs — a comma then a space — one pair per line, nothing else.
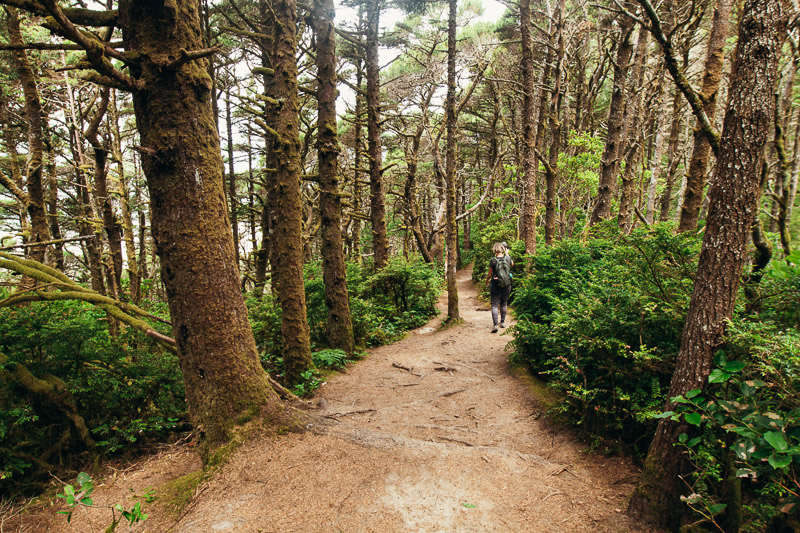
779, 461
692, 393
734, 366
83, 477
718, 376
693, 418
694, 442
776, 440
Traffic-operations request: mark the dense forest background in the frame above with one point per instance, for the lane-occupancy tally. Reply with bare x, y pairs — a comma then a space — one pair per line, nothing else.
185, 203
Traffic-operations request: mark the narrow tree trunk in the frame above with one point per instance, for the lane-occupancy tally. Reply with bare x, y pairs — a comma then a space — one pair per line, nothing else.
658, 149
634, 134
287, 265
528, 178
609, 164
734, 195
380, 240
450, 170
672, 156
551, 175
39, 232
134, 276
695, 177
232, 198
334, 270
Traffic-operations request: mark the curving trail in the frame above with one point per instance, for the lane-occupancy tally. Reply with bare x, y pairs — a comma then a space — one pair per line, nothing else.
434, 433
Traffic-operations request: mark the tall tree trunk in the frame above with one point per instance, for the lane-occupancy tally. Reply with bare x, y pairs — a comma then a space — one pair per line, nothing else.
358, 151
225, 383
134, 275
287, 266
334, 270
695, 177
380, 240
52, 206
633, 133
232, 197
673, 158
39, 232
609, 164
734, 195
450, 169
528, 215
111, 229
658, 150
551, 176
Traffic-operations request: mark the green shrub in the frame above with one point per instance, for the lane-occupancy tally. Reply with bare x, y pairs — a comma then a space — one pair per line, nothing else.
383, 306
747, 428
127, 390
602, 323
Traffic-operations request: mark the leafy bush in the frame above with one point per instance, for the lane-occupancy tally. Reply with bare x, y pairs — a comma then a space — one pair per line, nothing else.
602, 322
747, 429
127, 391
383, 305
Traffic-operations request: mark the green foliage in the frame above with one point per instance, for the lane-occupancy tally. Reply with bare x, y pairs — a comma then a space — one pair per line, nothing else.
752, 407
383, 305
602, 322
75, 499
127, 390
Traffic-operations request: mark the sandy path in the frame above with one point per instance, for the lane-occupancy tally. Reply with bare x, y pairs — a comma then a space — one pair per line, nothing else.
454, 444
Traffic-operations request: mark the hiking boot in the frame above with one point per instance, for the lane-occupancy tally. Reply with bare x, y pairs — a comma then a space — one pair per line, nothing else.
494, 328
502, 325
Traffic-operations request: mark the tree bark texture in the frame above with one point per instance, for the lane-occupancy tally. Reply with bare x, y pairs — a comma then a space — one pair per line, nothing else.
528, 216
673, 158
609, 164
225, 384
37, 216
633, 133
695, 177
555, 120
734, 195
450, 166
334, 269
287, 266
380, 239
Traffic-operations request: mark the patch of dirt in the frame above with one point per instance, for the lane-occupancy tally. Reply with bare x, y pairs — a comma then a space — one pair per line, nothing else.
431, 434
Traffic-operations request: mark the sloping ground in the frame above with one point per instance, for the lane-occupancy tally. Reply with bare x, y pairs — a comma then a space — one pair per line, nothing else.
432, 433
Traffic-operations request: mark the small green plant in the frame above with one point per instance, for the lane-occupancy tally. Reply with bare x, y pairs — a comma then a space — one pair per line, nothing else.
81, 498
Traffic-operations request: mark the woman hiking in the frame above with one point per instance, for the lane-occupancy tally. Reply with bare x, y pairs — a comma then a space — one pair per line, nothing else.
499, 281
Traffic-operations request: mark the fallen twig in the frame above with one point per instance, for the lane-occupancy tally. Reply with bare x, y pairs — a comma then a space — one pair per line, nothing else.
407, 369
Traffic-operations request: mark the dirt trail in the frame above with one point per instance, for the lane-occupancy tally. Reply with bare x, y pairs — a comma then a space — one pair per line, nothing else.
453, 442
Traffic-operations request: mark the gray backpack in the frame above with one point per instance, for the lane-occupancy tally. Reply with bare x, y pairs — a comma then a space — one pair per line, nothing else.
502, 272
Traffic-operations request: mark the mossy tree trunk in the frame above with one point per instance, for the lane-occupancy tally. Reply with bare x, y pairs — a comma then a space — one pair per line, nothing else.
555, 127
450, 166
701, 153
334, 269
734, 202
225, 384
287, 265
528, 216
609, 164
34, 197
380, 240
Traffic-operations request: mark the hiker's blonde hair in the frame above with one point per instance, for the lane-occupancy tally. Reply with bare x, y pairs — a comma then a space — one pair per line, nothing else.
498, 248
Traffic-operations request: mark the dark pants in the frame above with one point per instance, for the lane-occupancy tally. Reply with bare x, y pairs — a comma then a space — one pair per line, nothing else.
499, 300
